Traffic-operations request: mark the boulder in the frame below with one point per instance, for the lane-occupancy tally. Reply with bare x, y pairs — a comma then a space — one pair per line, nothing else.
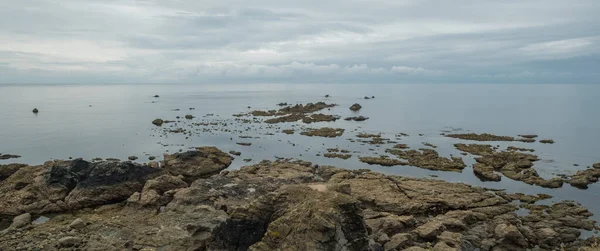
202, 162
21, 221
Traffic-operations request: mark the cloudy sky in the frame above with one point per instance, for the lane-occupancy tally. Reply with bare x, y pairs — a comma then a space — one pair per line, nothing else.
267, 41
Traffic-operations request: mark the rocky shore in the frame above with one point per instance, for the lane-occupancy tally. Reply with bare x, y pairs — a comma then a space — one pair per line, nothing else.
190, 202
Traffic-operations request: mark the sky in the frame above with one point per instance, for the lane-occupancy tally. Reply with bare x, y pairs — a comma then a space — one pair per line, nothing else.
276, 41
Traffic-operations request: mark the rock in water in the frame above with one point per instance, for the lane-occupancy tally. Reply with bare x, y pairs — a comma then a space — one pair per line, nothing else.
355, 107
157, 122
69, 241
156, 96
35, 110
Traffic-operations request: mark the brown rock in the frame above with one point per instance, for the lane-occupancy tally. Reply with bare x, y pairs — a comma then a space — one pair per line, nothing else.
202, 162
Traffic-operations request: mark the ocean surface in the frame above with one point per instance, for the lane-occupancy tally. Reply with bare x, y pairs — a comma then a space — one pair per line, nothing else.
114, 121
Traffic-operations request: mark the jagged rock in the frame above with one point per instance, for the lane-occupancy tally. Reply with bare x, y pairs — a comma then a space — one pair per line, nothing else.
398, 241
77, 224
69, 185
8, 170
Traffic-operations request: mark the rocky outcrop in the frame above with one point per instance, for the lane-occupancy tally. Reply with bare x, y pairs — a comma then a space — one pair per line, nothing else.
8, 170
429, 159
480, 137
512, 164
294, 205
68, 185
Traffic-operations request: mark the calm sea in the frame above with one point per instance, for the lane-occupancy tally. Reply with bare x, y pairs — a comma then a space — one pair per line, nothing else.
104, 121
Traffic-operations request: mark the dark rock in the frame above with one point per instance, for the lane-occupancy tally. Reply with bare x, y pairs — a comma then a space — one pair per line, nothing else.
547, 141
132, 158
35, 110
157, 122
9, 156
355, 107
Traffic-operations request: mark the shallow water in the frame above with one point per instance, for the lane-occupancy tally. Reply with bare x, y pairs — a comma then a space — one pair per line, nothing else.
90, 121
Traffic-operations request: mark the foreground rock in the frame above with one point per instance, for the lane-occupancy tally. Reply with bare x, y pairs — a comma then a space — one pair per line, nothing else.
59, 186
293, 205
202, 162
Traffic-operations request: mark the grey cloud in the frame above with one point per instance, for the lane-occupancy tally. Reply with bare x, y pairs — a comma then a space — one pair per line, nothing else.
549, 41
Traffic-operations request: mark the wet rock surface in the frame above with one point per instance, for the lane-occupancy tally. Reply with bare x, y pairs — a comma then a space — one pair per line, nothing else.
512, 164
383, 161
429, 159
359, 118
8, 156
294, 205
481, 137
324, 132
